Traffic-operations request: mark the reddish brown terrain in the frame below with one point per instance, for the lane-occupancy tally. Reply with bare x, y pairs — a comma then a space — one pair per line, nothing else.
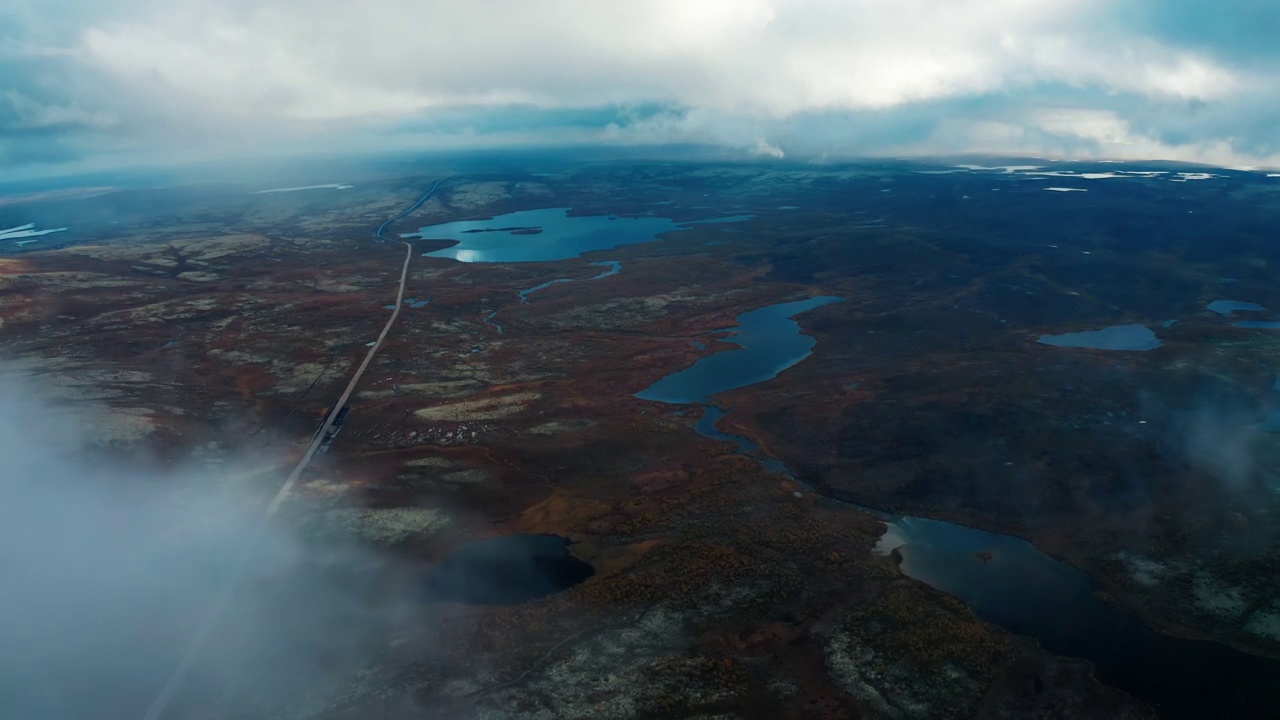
720, 590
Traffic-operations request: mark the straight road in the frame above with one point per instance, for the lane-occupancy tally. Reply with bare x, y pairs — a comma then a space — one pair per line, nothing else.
219, 606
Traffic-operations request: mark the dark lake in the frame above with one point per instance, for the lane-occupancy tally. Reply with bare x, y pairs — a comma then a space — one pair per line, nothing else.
1020, 588
507, 570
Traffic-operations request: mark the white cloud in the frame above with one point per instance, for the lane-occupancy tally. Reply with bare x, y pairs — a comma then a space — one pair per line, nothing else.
764, 149
109, 567
328, 59
1078, 134
30, 114
731, 71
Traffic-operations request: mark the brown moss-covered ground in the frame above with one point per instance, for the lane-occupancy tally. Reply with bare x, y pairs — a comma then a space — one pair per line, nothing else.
722, 591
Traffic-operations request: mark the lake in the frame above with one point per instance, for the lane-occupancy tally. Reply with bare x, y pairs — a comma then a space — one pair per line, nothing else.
1258, 324
547, 234
1116, 337
769, 342
1008, 581
1226, 307
1030, 593
507, 570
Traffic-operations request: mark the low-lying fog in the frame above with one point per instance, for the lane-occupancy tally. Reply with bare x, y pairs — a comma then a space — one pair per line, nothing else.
108, 568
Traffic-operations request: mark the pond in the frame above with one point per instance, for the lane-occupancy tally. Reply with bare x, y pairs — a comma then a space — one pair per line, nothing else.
506, 570
1226, 307
1116, 337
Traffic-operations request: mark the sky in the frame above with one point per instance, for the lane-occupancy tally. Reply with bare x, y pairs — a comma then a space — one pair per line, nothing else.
103, 83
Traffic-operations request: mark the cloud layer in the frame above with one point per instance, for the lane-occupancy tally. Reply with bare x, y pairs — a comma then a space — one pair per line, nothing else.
1191, 80
106, 570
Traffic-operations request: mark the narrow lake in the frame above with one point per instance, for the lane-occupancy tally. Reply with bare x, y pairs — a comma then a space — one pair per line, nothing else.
1116, 337
769, 342
1258, 324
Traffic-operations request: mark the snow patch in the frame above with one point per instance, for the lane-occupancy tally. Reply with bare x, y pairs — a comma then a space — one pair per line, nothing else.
1002, 168
27, 231
331, 186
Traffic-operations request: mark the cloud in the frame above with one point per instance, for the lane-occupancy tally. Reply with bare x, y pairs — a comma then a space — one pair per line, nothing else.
106, 570
765, 149
26, 113
323, 60
39, 150
1198, 80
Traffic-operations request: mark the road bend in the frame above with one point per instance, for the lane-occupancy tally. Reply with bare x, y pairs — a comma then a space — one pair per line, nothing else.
221, 600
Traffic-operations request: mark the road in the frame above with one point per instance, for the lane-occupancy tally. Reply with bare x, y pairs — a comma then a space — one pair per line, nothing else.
219, 605
383, 227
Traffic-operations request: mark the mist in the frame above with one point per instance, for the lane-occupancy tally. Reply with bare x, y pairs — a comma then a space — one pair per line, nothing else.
108, 566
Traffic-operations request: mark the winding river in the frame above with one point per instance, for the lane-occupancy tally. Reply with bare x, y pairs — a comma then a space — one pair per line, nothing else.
614, 266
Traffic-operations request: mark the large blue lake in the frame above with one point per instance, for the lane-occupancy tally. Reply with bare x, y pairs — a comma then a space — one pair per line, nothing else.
547, 234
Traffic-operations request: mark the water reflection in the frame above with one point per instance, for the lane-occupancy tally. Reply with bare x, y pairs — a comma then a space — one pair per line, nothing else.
547, 234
